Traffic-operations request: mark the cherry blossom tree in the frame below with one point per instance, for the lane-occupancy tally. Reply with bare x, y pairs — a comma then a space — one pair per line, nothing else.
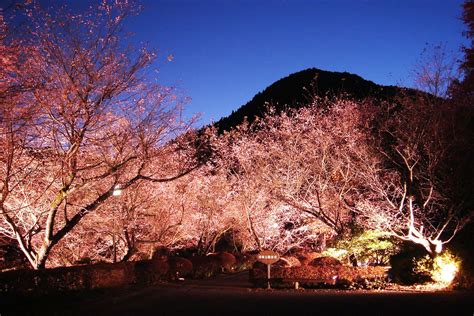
132, 225
317, 162
79, 122
337, 164
295, 175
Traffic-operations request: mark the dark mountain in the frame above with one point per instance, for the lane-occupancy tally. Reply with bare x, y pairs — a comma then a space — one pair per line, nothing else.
297, 90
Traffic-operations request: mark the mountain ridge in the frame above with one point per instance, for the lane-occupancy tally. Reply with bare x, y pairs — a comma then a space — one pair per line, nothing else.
297, 89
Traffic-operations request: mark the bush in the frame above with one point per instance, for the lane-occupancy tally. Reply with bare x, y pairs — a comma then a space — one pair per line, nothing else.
70, 278
306, 257
152, 271
225, 260
402, 264
244, 262
329, 276
287, 262
371, 247
325, 261
180, 267
205, 267
441, 269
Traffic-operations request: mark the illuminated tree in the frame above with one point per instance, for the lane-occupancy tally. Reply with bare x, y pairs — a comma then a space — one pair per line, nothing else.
208, 197
413, 189
80, 120
295, 175
316, 160
387, 167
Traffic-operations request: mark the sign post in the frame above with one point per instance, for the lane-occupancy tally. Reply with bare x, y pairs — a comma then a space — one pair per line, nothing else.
268, 257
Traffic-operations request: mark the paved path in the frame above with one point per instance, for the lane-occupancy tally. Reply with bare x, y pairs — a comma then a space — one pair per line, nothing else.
231, 295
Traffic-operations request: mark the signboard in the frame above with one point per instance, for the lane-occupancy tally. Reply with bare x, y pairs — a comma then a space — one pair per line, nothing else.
268, 257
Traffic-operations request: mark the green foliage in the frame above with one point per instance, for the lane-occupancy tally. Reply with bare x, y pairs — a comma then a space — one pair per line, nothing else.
423, 265
371, 247
441, 268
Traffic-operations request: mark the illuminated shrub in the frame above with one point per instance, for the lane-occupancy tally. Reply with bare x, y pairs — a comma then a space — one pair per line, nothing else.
323, 276
306, 257
372, 247
325, 261
290, 261
442, 269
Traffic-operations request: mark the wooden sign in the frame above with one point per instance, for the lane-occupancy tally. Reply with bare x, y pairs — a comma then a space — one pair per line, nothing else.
268, 257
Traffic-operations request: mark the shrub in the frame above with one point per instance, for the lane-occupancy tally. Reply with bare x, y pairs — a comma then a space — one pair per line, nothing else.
371, 247
325, 261
225, 260
402, 265
180, 267
205, 267
328, 276
244, 262
306, 257
287, 262
151, 271
442, 268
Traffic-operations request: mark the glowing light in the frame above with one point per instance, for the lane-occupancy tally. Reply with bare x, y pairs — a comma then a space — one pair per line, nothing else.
117, 191
445, 269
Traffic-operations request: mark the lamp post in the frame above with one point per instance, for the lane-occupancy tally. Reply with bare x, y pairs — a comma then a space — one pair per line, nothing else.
117, 192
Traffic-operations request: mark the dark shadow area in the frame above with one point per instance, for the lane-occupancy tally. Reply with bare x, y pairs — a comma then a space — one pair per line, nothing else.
231, 294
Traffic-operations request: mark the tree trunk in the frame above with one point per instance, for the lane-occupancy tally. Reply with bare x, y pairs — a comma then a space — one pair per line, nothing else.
253, 232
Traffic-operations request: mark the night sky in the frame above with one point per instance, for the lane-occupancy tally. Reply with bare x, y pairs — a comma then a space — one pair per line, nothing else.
227, 51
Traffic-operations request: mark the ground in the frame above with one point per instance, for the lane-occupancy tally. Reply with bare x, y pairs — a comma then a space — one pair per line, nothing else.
232, 295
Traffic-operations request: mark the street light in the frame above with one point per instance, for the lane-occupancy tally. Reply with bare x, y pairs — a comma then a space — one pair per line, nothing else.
117, 190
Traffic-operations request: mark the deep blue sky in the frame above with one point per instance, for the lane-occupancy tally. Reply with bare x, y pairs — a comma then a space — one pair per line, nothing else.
226, 51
